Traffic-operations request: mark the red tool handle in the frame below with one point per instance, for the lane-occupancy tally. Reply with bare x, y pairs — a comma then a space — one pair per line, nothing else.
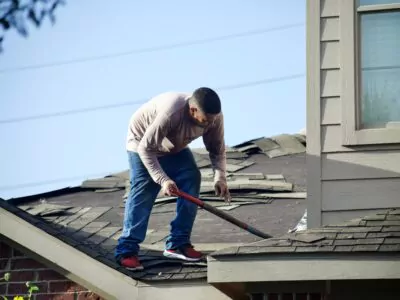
222, 215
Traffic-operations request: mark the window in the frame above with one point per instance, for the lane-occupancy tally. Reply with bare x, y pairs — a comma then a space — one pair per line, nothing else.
370, 42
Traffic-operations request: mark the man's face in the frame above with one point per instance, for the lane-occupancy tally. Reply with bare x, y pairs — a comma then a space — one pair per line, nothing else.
201, 119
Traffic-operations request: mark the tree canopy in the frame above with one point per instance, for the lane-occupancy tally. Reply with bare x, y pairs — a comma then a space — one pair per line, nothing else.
16, 14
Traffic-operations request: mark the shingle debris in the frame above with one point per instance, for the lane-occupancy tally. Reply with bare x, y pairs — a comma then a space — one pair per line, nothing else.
91, 229
375, 233
238, 159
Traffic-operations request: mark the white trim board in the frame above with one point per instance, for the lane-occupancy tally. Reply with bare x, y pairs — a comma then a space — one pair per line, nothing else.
304, 268
180, 291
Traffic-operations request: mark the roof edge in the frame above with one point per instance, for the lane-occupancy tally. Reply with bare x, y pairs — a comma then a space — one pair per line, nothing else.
305, 268
194, 290
21, 200
84, 270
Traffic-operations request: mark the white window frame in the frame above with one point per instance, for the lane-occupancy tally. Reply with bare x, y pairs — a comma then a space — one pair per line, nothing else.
350, 83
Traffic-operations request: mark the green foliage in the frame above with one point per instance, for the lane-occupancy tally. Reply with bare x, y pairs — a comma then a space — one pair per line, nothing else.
16, 13
31, 288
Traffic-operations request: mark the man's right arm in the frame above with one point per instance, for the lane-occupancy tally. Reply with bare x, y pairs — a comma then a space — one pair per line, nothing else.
149, 145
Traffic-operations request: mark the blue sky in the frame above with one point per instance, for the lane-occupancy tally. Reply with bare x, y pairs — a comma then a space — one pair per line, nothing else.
49, 153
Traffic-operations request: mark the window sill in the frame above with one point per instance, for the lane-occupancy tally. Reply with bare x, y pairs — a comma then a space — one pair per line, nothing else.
376, 136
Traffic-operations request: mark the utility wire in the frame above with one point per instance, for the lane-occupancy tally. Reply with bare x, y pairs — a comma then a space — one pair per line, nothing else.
129, 103
59, 180
152, 49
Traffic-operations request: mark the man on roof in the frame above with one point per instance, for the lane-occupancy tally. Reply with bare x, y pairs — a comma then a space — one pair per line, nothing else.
159, 159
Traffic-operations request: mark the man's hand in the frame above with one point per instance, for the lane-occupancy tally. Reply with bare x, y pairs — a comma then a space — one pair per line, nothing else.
221, 190
169, 188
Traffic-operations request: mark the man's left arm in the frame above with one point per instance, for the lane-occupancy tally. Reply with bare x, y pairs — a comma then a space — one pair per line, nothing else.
214, 141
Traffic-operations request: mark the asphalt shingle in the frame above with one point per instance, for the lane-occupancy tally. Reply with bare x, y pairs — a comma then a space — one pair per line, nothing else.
89, 217
376, 233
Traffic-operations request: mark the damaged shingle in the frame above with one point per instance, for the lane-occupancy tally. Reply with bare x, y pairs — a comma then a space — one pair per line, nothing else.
45, 209
96, 234
370, 234
306, 237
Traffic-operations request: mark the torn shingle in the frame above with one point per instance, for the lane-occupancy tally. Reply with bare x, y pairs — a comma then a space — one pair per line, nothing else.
45, 209
306, 237
72, 217
104, 183
289, 144
266, 144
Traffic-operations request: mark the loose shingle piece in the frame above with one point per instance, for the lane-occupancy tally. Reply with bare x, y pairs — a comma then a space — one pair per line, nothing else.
279, 145
374, 233
45, 209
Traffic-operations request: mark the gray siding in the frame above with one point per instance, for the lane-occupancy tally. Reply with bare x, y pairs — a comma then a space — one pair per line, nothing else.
354, 181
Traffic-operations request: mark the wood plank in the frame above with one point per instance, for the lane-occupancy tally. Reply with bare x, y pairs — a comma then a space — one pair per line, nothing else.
360, 194
331, 113
330, 83
361, 164
330, 29
330, 55
329, 8
336, 217
331, 142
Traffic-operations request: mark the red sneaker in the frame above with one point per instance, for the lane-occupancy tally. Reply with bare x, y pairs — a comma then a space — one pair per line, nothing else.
131, 263
185, 253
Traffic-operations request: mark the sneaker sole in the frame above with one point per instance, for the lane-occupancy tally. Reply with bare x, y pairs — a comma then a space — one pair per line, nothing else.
179, 256
135, 269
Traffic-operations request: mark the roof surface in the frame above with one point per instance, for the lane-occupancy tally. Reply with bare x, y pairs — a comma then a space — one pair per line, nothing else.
376, 233
267, 182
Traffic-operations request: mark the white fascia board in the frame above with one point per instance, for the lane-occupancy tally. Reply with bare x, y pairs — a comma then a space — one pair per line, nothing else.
180, 290
304, 268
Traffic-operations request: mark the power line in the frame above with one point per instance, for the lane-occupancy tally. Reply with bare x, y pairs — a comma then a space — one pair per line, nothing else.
59, 180
121, 104
152, 49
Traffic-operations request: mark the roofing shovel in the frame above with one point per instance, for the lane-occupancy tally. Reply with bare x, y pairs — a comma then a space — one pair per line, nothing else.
222, 214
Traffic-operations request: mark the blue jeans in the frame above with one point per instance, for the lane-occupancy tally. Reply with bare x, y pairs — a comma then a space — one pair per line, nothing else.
181, 168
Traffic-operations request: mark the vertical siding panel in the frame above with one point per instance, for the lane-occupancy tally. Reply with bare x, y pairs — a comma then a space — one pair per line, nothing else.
313, 113
329, 8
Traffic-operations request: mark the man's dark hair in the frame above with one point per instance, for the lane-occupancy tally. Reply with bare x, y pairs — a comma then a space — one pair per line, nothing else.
207, 100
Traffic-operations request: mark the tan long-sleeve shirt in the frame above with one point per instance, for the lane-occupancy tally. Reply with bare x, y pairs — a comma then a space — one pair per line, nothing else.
163, 126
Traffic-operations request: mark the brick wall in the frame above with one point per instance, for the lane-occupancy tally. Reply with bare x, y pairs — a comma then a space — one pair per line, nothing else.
288, 296
52, 285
